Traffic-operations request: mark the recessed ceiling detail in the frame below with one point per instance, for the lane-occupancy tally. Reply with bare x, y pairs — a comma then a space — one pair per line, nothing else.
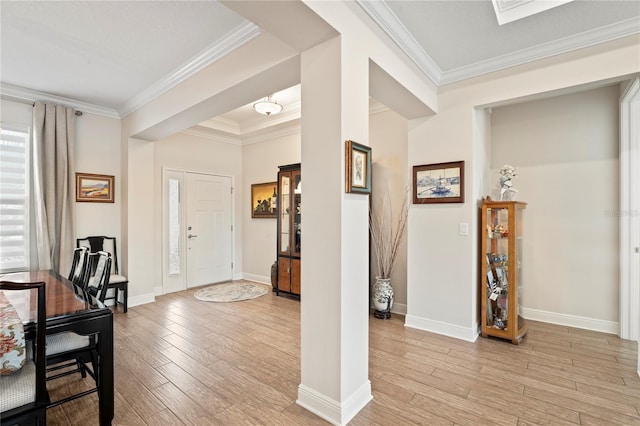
455, 40
512, 10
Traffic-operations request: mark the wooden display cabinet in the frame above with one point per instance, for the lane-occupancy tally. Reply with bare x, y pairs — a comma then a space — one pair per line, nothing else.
501, 279
289, 229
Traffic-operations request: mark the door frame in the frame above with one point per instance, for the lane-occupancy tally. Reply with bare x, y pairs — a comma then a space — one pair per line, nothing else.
630, 213
183, 215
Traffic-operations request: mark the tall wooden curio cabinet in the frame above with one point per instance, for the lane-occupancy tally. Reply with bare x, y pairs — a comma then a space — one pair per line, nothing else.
289, 229
501, 279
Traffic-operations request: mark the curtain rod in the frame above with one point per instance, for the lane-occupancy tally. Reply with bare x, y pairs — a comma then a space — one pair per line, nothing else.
28, 102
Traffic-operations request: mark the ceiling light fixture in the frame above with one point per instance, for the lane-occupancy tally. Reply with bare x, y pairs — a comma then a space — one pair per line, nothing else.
267, 106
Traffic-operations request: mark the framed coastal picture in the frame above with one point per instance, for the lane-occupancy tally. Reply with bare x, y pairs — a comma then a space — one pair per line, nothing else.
438, 183
358, 168
263, 200
94, 188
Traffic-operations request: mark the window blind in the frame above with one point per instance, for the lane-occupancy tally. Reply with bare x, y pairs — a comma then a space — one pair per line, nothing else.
14, 198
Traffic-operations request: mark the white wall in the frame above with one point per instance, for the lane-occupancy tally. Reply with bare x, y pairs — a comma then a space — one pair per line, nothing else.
388, 141
260, 163
566, 152
196, 154
16, 113
442, 289
98, 151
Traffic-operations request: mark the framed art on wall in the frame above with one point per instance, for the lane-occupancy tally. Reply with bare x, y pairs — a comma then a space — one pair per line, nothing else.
94, 188
264, 200
438, 183
358, 168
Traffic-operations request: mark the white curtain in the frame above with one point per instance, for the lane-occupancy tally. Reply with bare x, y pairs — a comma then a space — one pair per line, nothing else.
54, 185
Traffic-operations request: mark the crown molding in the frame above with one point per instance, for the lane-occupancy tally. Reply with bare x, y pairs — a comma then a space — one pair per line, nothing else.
546, 50
265, 134
391, 25
233, 40
30, 95
212, 134
376, 107
287, 129
222, 124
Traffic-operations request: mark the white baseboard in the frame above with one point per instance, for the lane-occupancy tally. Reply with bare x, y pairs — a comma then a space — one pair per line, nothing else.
141, 299
237, 276
611, 327
158, 291
399, 308
331, 410
256, 278
439, 327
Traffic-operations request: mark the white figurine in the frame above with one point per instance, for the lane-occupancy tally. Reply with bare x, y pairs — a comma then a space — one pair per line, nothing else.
507, 192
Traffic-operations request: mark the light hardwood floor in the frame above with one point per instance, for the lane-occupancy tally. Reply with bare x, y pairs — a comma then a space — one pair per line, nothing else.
183, 361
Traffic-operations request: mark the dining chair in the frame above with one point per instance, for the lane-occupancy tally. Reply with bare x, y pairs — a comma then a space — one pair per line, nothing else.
68, 349
24, 396
117, 282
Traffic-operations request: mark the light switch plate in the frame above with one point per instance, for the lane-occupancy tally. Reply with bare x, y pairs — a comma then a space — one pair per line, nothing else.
464, 229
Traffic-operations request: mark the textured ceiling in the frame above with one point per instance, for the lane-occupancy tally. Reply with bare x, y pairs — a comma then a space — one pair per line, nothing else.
121, 54
105, 52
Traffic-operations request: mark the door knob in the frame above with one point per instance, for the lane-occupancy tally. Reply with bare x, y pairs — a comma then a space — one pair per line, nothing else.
191, 236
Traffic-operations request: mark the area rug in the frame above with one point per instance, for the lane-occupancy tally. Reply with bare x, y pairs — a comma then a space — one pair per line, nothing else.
231, 292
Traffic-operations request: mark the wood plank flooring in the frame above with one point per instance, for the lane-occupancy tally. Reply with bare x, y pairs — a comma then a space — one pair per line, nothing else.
181, 361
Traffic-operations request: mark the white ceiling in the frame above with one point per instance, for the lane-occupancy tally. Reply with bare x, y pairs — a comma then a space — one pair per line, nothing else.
110, 53
117, 55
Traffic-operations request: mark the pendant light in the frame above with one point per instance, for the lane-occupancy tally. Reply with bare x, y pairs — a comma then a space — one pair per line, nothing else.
267, 106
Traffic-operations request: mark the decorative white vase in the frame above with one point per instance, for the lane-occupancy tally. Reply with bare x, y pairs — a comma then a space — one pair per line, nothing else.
382, 298
508, 194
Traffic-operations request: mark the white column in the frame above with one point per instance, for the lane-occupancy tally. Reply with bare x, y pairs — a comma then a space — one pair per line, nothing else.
335, 291
139, 229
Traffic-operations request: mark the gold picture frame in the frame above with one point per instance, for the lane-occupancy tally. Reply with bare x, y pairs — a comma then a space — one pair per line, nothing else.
94, 188
264, 200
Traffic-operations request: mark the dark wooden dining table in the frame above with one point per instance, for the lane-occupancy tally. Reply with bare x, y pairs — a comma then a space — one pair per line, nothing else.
69, 308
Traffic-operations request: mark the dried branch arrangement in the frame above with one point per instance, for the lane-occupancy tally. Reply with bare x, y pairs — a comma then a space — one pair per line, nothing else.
387, 231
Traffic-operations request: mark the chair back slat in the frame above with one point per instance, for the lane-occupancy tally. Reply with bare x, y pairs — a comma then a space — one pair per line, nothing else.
79, 267
100, 281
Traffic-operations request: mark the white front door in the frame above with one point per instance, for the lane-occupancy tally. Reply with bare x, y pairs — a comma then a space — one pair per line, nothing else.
208, 229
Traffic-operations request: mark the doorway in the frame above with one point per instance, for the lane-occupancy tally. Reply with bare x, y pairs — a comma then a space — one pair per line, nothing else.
196, 229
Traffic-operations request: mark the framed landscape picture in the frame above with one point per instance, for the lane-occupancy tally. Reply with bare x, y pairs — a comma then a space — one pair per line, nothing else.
438, 183
263, 200
94, 188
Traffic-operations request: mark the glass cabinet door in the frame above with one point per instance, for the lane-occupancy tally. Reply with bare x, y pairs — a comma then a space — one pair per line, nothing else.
518, 263
284, 199
497, 279
297, 212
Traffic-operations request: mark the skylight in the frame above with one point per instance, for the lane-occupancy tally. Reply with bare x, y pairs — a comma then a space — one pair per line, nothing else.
512, 10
